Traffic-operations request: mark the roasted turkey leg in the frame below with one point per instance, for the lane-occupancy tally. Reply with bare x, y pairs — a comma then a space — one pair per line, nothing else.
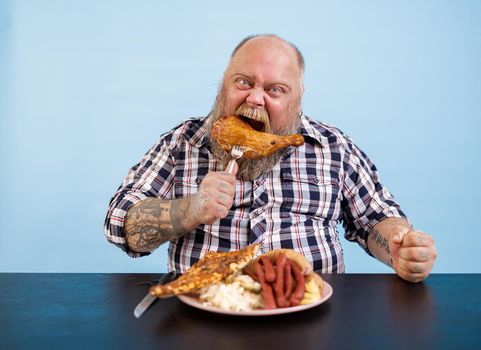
232, 130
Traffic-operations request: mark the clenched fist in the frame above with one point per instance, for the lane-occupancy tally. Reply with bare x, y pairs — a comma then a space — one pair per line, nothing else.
413, 254
214, 198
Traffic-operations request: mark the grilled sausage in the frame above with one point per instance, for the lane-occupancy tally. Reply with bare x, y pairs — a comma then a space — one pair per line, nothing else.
270, 273
298, 292
288, 285
267, 294
279, 283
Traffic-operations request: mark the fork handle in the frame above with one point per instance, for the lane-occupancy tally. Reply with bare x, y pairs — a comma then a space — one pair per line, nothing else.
230, 166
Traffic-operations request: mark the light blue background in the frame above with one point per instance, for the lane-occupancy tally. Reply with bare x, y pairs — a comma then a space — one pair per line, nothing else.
86, 87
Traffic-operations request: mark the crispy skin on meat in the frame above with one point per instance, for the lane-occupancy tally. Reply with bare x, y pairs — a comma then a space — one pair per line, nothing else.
214, 267
232, 130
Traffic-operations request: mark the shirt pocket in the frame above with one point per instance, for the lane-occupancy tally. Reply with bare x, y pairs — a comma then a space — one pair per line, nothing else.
186, 186
311, 195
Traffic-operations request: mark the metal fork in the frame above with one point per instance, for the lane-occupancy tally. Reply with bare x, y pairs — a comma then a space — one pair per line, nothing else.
236, 153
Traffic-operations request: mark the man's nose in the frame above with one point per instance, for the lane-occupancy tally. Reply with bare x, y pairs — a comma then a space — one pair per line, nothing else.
256, 98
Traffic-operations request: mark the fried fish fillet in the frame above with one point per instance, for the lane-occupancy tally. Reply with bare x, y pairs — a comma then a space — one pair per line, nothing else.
234, 130
212, 268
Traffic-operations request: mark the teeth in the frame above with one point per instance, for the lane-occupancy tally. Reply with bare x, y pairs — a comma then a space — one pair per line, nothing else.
254, 115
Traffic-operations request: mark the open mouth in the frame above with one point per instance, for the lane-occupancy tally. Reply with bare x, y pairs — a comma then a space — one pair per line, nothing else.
257, 118
255, 124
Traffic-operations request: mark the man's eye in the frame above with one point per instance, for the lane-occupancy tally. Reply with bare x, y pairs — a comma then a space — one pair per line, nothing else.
243, 83
276, 90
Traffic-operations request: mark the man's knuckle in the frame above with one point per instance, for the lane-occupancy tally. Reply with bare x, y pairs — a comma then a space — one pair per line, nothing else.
417, 268
221, 211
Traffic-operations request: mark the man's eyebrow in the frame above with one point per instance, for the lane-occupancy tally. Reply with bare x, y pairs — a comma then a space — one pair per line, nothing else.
268, 83
242, 75
278, 82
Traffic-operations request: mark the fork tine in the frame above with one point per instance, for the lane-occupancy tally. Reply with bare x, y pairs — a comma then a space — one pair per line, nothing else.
236, 153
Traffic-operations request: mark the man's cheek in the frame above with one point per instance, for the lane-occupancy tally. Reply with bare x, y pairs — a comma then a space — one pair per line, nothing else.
232, 105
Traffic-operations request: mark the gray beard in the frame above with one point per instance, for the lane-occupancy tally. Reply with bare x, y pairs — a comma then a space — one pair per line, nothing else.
249, 169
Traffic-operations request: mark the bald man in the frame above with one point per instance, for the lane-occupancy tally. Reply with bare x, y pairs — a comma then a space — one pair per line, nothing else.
179, 192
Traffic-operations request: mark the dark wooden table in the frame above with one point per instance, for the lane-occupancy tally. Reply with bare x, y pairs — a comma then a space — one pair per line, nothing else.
366, 311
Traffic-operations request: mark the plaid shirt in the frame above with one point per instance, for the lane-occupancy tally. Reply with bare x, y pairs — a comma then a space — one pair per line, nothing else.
297, 205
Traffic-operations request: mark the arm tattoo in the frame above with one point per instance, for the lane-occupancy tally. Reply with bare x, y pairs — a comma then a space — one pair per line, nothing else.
381, 242
378, 237
152, 221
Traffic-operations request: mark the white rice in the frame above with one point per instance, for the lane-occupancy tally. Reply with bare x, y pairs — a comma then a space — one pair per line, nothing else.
241, 293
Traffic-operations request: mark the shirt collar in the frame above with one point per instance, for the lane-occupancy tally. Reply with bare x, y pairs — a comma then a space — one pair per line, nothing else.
196, 132
308, 129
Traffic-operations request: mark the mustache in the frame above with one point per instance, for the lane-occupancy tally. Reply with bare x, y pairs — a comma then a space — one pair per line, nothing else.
260, 115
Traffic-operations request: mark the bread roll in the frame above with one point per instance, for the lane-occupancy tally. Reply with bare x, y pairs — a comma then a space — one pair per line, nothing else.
314, 287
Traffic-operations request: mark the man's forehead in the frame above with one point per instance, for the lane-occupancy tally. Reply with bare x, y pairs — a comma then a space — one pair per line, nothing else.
266, 45
264, 50
266, 41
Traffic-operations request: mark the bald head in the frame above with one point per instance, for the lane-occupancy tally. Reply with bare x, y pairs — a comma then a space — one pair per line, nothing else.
271, 39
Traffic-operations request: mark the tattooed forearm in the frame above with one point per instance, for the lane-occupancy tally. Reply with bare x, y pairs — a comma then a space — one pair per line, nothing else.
152, 221
381, 242
378, 239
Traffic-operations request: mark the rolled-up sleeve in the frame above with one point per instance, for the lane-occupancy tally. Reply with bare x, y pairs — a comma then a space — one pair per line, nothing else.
152, 177
365, 200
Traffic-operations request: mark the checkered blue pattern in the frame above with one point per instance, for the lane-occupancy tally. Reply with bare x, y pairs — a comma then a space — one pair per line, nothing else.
297, 205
